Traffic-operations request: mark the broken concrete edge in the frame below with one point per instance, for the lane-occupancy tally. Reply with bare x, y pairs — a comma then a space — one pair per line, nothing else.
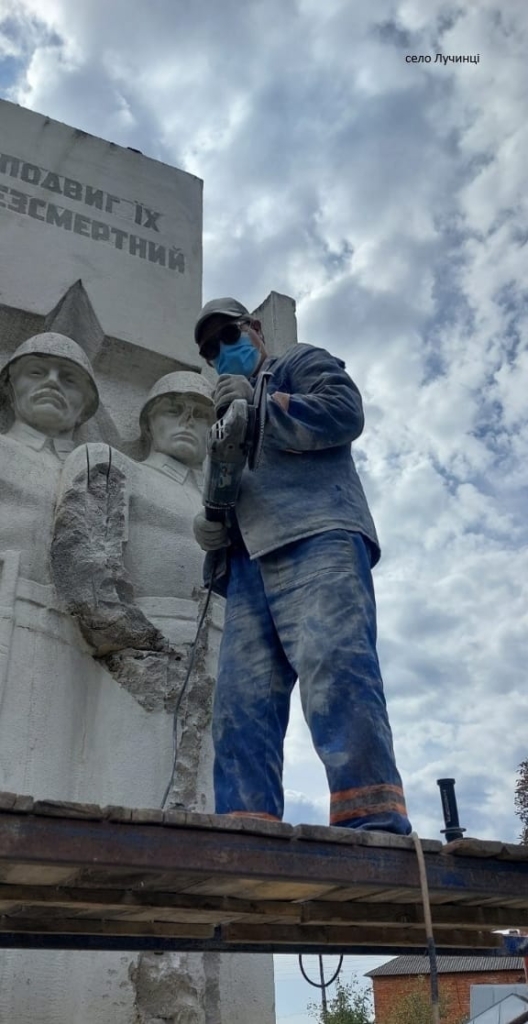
22, 804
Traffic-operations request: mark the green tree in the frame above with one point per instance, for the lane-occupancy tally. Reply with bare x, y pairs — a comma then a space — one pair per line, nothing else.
350, 1005
415, 1007
521, 799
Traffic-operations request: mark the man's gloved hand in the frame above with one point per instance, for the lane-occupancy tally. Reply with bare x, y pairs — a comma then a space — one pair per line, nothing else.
210, 535
230, 386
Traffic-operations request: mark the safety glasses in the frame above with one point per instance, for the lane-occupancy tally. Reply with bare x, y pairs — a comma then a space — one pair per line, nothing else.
228, 334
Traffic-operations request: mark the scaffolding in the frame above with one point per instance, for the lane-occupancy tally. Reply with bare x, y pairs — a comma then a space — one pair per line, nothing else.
80, 876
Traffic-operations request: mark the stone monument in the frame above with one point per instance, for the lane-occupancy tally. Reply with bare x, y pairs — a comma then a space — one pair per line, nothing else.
100, 263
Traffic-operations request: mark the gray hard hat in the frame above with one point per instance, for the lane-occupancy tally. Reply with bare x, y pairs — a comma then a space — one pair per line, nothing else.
182, 382
49, 343
227, 307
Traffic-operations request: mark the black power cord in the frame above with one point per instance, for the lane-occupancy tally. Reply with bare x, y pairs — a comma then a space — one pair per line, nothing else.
184, 687
322, 984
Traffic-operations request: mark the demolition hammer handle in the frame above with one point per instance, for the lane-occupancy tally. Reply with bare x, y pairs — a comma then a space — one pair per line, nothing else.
215, 515
452, 828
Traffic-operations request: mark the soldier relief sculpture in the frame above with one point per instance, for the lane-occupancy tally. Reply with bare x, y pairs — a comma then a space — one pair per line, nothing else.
100, 573
100, 595
47, 391
127, 526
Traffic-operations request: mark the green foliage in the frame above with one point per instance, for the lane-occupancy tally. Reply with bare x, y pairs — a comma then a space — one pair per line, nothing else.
350, 1005
415, 1007
521, 799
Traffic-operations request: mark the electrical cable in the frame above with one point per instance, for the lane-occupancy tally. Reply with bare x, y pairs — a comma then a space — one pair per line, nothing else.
431, 948
323, 984
185, 682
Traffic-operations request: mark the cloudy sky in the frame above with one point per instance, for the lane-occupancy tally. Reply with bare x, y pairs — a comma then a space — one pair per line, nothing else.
388, 198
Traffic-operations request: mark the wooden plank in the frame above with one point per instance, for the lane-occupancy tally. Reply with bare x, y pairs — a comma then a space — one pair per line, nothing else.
15, 802
255, 889
361, 837
473, 918
20, 911
323, 936
393, 896
151, 943
35, 874
217, 885
469, 847
137, 914
68, 809
513, 851
56, 840
61, 842
7, 800
264, 887
228, 823
123, 878
304, 914
116, 813
145, 906
103, 900
291, 891
342, 894
148, 816
87, 926
24, 805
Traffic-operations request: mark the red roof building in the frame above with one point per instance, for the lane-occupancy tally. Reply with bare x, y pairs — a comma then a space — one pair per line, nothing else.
456, 974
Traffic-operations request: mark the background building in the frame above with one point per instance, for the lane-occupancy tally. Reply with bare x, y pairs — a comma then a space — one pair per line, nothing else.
457, 976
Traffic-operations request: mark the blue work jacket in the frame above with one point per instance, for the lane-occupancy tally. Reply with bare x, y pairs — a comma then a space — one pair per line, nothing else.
306, 481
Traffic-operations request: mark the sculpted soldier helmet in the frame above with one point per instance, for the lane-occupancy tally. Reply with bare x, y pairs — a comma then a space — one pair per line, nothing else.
182, 382
49, 343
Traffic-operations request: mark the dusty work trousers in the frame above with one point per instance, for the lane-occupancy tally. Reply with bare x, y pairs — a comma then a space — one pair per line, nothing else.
306, 611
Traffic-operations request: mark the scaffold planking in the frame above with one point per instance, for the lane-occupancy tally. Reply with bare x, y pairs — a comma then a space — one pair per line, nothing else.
79, 876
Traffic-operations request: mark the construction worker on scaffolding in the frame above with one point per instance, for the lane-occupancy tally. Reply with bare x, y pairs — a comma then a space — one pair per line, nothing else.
296, 574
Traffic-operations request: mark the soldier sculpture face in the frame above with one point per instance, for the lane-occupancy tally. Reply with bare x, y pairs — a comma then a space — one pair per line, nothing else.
178, 426
49, 393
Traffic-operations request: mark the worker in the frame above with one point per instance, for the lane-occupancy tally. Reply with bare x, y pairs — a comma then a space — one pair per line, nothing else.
295, 568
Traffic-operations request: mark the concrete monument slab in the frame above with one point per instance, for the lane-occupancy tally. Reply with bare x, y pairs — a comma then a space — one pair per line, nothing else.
130, 226
103, 246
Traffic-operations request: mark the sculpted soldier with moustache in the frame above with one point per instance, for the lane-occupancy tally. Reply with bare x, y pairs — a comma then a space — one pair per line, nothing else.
47, 390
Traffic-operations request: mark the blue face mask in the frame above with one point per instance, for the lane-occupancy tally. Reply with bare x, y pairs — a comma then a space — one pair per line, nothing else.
240, 358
